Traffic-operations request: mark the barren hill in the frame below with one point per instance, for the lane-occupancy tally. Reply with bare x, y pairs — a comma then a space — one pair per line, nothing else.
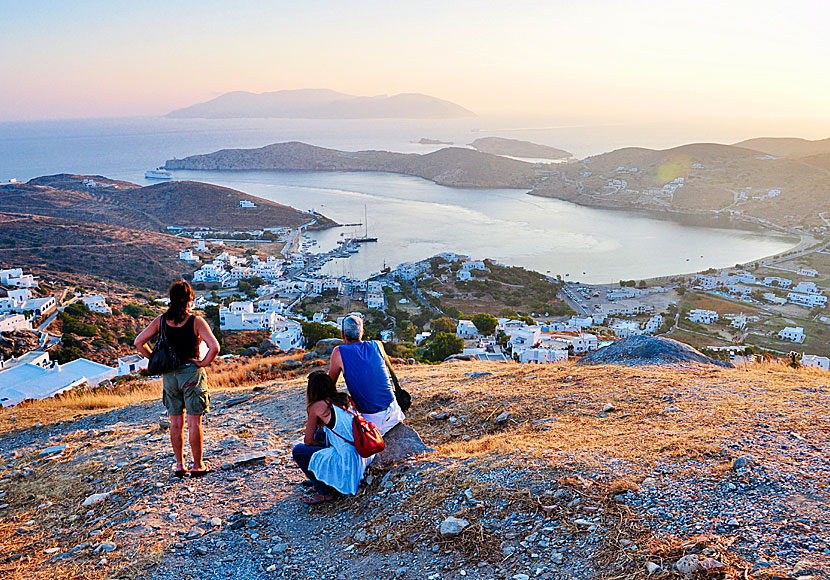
452, 166
173, 203
48, 245
787, 146
575, 472
322, 104
713, 178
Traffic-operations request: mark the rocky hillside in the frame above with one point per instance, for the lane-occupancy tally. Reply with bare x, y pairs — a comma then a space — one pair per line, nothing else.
322, 104
787, 146
553, 472
452, 166
717, 179
51, 246
173, 203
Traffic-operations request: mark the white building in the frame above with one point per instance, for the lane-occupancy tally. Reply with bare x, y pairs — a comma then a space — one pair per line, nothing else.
96, 303
200, 246
287, 334
542, 356
16, 277
188, 256
421, 337
792, 333
524, 338
375, 299
810, 273
653, 325
246, 203
776, 281
739, 321
808, 300
806, 288
410, 271
11, 322
626, 328
772, 298
812, 360
130, 364
466, 329
581, 322
473, 265
272, 305
241, 316
463, 275
30, 380
585, 343
703, 316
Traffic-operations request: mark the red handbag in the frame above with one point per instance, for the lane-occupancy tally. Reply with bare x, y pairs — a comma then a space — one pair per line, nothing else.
367, 437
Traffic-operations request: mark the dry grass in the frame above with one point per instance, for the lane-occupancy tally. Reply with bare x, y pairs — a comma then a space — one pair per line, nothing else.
237, 373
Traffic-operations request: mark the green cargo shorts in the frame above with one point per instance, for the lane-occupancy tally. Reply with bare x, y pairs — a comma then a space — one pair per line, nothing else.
186, 388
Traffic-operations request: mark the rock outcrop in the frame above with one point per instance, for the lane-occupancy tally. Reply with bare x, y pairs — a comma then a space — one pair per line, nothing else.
402, 442
648, 350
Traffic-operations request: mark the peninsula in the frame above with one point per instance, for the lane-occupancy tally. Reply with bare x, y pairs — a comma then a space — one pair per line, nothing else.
517, 148
451, 166
322, 104
97, 199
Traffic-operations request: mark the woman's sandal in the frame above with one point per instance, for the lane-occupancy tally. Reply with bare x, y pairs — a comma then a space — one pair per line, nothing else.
180, 473
317, 499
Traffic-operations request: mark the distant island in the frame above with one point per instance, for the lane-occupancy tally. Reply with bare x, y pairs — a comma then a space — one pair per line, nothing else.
451, 166
322, 104
425, 141
517, 148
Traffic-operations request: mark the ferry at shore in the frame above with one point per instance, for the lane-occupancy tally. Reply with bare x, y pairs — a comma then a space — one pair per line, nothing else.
158, 173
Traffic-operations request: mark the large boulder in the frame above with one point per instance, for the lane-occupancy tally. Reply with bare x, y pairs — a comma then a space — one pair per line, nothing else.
648, 350
402, 442
325, 346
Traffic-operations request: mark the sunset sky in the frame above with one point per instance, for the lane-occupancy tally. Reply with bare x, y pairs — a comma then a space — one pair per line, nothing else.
593, 59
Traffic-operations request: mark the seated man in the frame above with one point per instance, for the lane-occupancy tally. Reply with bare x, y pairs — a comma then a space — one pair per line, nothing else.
363, 364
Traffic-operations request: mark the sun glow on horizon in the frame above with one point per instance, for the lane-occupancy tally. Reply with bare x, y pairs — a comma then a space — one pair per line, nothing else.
598, 61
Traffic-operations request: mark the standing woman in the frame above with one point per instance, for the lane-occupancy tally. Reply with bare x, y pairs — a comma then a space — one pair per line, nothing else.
185, 387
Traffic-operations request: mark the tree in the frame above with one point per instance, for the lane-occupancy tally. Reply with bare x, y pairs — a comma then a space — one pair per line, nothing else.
443, 324
508, 313
406, 331
316, 331
485, 323
453, 312
443, 345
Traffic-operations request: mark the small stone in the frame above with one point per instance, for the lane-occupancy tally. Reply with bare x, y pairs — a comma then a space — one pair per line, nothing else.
271, 568
652, 568
733, 522
649, 482
453, 526
194, 533
201, 550
95, 498
106, 547
215, 522
742, 462
608, 408
688, 565
51, 551
503, 417
239, 524
521, 577
280, 548
52, 450
164, 423
251, 458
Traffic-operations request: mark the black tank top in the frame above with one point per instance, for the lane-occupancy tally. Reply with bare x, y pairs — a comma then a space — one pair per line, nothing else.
183, 339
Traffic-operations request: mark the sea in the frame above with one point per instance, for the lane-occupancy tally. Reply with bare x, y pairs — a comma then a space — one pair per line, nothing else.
412, 218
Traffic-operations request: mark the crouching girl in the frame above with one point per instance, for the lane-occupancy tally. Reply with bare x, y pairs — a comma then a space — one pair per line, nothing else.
327, 455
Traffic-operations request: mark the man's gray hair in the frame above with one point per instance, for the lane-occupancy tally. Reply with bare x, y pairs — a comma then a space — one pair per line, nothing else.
352, 327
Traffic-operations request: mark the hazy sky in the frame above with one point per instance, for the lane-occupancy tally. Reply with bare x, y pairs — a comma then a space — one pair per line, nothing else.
591, 59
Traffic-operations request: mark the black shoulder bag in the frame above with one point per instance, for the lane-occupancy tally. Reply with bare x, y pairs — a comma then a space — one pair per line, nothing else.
403, 398
163, 358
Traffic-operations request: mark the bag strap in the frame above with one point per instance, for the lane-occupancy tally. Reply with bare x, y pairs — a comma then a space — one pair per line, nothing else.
335, 432
392, 374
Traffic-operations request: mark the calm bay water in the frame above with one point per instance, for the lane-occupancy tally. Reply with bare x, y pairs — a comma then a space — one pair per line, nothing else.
412, 218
